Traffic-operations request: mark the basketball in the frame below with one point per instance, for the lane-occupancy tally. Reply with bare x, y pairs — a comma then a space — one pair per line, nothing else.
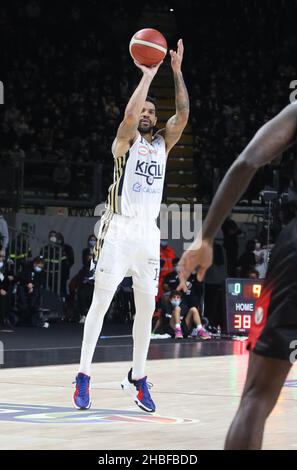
148, 47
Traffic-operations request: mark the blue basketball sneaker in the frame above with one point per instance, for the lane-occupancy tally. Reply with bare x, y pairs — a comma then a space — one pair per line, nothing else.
139, 391
81, 397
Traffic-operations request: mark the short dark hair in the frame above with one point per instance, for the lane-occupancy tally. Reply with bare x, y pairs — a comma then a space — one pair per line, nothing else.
175, 292
153, 100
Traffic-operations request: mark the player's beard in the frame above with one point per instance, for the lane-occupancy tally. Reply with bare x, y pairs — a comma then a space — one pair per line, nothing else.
145, 128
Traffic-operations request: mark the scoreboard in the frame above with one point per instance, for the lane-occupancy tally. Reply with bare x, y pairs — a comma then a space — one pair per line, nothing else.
241, 298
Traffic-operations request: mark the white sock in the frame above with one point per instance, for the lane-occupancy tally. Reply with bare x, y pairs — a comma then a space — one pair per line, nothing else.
177, 325
144, 306
199, 327
93, 326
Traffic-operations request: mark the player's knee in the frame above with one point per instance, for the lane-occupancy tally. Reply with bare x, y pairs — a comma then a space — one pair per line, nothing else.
257, 402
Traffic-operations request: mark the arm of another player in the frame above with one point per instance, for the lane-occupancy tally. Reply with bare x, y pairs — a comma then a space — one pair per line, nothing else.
272, 139
176, 124
128, 128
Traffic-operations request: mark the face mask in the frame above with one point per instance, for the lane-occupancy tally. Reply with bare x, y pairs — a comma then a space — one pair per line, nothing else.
163, 243
92, 242
1, 264
175, 303
53, 239
38, 269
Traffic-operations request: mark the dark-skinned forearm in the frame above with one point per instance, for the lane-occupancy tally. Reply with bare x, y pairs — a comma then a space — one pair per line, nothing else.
231, 188
182, 103
270, 141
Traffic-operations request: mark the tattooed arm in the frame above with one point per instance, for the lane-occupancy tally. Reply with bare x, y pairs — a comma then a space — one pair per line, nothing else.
176, 124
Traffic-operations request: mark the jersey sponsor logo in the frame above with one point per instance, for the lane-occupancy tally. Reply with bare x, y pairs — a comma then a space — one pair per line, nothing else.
143, 150
139, 188
150, 170
61, 415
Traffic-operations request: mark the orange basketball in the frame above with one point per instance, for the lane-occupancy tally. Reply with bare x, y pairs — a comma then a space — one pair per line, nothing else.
148, 46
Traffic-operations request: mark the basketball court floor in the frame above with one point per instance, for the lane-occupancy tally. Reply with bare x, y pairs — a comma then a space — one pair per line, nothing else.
196, 399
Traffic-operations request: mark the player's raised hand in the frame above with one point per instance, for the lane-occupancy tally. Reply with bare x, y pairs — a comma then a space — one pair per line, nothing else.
177, 56
192, 258
149, 71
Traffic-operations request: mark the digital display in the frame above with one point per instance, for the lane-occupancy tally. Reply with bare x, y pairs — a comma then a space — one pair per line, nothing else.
241, 298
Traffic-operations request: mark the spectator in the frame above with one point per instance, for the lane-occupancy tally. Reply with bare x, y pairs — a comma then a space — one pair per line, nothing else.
88, 253
31, 279
261, 257
167, 254
81, 288
180, 321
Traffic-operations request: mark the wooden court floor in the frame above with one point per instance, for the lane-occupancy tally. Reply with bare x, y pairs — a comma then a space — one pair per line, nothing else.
196, 399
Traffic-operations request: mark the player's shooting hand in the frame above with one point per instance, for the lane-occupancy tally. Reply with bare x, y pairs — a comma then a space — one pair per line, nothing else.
193, 257
177, 57
148, 71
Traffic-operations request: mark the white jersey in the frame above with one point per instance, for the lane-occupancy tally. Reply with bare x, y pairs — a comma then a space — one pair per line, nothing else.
139, 179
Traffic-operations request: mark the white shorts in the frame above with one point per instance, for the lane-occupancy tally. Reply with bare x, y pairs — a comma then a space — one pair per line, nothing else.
128, 247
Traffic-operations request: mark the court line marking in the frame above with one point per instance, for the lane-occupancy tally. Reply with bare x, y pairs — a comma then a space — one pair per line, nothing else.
192, 394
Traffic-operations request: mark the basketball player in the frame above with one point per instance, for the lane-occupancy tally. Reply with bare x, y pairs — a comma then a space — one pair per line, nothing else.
129, 239
274, 325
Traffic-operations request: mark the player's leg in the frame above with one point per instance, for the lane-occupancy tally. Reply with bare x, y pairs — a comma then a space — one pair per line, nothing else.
145, 285
265, 378
145, 306
135, 383
111, 268
274, 327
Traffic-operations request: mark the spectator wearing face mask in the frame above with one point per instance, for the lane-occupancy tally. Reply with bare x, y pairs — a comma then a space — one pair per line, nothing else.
181, 321
88, 252
31, 279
